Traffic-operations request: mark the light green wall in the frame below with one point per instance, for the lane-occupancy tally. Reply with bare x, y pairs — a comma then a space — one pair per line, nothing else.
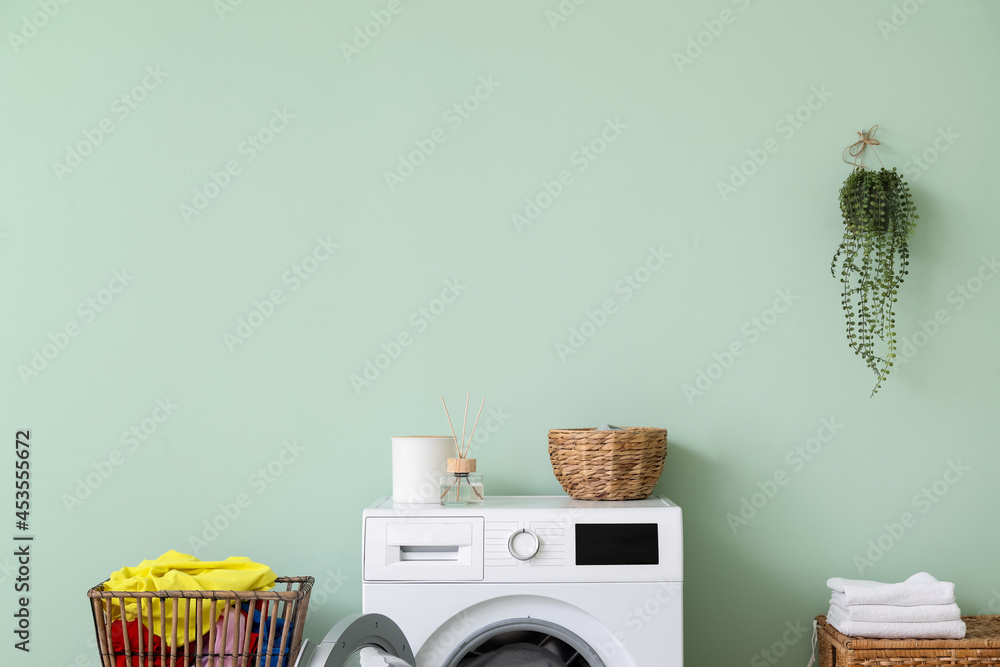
680, 131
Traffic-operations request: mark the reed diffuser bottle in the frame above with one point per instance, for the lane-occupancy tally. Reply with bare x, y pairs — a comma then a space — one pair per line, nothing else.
462, 485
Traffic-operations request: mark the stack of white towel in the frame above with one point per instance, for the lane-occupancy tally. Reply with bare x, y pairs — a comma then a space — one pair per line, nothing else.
920, 607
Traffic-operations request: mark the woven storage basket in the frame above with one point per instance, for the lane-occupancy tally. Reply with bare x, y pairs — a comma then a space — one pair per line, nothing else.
608, 465
289, 606
981, 646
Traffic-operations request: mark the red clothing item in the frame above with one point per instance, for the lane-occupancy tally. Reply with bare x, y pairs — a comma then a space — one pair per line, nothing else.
149, 659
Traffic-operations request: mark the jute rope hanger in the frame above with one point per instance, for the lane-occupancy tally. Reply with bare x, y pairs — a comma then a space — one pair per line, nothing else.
857, 149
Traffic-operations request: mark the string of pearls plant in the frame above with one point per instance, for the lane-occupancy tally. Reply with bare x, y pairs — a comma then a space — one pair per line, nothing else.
873, 257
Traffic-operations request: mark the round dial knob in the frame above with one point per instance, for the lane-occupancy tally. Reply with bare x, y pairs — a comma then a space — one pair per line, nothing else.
523, 544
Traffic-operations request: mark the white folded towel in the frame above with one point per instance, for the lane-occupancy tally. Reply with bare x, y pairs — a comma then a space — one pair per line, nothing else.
925, 613
920, 589
938, 630
837, 583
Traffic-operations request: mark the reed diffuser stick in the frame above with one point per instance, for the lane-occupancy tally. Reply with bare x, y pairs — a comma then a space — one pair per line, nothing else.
465, 417
471, 435
457, 449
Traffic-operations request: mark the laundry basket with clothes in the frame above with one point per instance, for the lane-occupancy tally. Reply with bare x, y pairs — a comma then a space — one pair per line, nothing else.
179, 611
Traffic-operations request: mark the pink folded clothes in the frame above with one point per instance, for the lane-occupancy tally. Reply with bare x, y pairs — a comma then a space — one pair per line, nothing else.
920, 589
225, 639
881, 630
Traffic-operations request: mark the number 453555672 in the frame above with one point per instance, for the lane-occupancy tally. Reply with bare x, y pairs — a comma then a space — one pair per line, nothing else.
22, 476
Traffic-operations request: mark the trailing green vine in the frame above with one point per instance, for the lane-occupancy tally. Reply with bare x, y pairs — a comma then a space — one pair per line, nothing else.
879, 215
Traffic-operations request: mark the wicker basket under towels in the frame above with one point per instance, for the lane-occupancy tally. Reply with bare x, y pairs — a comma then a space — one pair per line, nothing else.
981, 646
608, 465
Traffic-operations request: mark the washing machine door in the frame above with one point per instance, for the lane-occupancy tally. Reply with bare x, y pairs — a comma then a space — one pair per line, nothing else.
360, 640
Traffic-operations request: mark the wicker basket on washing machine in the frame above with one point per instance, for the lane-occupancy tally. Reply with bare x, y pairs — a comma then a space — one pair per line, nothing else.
608, 465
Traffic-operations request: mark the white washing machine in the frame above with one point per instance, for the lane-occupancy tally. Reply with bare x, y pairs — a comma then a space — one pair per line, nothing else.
591, 583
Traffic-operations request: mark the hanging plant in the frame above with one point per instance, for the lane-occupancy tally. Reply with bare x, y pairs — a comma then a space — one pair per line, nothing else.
873, 257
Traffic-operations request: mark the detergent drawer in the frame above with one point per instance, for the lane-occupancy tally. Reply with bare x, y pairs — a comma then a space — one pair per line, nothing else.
423, 548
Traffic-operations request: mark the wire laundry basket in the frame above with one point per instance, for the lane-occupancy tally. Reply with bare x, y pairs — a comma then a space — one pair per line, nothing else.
278, 615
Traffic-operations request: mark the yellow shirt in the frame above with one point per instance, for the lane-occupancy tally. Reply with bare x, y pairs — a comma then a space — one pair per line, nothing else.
176, 571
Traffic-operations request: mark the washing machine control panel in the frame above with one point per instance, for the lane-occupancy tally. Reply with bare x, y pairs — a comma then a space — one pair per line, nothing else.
508, 539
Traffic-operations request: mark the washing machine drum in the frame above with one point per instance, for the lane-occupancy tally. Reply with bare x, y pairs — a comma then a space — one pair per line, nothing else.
374, 640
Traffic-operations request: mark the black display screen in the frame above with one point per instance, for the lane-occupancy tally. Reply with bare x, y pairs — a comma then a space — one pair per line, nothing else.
617, 544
